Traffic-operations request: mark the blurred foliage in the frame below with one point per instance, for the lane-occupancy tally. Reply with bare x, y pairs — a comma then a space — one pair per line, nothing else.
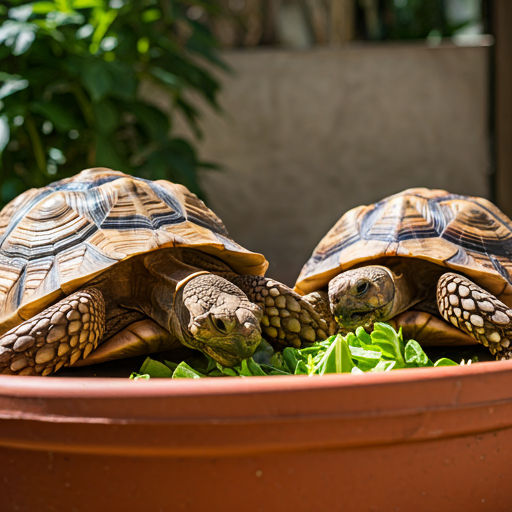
70, 75
305, 23
414, 19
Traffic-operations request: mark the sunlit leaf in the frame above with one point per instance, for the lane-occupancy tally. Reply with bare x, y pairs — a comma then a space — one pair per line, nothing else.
155, 369
23, 42
184, 371
150, 15
445, 362
4, 132
12, 86
43, 7
86, 4
104, 20
414, 354
21, 13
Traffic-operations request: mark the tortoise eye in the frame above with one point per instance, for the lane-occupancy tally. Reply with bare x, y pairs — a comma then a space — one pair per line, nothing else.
219, 325
362, 287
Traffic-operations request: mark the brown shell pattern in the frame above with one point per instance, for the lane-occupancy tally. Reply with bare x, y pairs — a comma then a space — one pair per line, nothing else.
55, 239
466, 234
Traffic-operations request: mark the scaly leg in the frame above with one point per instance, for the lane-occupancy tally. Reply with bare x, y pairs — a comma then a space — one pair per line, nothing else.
476, 312
288, 318
57, 336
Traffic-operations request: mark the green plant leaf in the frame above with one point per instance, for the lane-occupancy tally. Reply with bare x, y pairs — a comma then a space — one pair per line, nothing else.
414, 354
244, 369
327, 363
184, 371
172, 366
337, 358
86, 4
137, 376
363, 336
290, 358
389, 342
154, 121
107, 116
384, 366
12, 86
43, 7
155, 369
344, 362
365, 359
263, 353
301, 368
4, 133
255, 368
277, 361
102, 21
20, 13
57, 114
123, 82
272, 370
444, 361
96, 78
230, 372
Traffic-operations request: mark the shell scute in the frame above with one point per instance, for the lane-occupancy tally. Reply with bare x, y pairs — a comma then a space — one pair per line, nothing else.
55, 239
466, 234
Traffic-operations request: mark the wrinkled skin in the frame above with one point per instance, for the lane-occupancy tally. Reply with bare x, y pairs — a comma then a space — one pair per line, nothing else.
222, 322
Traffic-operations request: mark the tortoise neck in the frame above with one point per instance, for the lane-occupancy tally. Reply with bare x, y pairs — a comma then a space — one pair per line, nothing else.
414, 282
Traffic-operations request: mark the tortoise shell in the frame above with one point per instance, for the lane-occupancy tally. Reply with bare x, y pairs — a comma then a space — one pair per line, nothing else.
467, 234
55, 239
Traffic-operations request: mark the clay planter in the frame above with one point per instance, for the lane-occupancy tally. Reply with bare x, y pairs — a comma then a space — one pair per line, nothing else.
412, 440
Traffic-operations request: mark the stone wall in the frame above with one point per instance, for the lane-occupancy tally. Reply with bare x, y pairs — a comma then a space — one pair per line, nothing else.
308, 135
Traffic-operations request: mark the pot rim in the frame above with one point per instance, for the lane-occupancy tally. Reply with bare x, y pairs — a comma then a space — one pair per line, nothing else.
229, 416
97, 387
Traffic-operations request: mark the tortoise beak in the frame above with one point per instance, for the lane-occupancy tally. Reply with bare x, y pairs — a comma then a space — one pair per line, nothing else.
235, 351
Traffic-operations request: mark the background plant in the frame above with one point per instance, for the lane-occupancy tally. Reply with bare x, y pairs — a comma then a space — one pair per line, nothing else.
70, 75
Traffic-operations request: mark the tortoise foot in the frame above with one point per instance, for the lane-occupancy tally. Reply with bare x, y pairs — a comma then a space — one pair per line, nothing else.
476, 312
288, 318
59, 335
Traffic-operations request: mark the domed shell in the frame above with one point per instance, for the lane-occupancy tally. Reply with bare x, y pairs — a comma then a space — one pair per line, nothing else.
467, 234
57, 238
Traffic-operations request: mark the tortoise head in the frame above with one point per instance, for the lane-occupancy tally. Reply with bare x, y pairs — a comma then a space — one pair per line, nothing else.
362, 296
216, 317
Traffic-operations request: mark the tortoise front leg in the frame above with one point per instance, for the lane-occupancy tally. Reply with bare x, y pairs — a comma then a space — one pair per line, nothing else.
476, 312
288, 318
57, 336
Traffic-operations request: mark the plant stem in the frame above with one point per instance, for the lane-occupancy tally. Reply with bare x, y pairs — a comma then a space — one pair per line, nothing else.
37, 145
84, 104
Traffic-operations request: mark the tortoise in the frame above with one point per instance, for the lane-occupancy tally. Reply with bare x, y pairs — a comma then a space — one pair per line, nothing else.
104, 265
416, 258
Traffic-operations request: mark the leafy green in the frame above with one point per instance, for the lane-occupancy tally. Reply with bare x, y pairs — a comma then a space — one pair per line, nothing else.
445, 362
155, 368
184, 371
381, 351
414, 354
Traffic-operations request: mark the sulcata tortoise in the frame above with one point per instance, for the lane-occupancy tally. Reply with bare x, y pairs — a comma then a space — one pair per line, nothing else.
104, 265
441, 254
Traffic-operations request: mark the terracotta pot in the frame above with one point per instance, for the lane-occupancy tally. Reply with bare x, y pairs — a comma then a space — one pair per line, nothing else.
412, 440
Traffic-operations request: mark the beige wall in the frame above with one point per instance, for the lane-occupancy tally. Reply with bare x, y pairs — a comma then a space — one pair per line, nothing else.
309, 135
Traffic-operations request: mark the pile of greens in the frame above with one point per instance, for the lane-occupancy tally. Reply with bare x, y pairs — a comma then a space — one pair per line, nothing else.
381, 351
